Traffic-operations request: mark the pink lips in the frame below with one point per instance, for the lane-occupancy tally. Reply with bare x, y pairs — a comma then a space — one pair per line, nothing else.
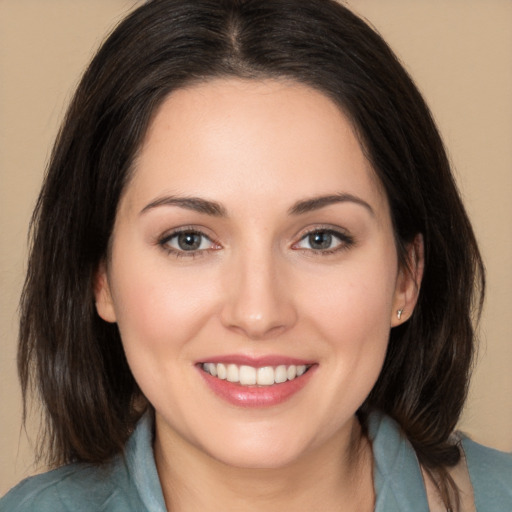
257, 396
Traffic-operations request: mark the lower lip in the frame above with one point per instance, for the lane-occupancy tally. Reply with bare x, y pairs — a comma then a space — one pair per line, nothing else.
256, 396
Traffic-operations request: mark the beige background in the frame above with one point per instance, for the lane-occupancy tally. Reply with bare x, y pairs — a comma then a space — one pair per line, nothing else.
459, 52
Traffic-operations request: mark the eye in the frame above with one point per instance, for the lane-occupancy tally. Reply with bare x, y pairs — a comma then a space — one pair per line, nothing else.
324, 240
187, 241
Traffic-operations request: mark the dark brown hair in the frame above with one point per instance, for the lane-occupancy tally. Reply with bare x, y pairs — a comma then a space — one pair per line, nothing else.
75, 360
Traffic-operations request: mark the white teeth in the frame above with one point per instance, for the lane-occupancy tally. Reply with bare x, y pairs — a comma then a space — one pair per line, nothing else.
212, 369
221, 371
265, 376
281, 374
250, 376
233, 373
247, 375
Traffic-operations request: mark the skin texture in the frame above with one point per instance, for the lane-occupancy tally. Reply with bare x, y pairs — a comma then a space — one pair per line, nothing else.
256, 287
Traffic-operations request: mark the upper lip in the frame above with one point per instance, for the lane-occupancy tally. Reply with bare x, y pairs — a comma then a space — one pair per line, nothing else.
257, 362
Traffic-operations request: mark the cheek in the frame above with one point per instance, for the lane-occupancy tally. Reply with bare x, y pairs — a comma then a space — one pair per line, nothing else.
157, 309
355, 299
351, 309
159, 314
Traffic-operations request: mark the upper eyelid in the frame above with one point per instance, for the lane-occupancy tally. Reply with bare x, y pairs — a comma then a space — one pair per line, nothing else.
166, 235
336, 230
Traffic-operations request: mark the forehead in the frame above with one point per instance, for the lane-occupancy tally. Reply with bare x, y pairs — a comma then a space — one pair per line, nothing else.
246, 137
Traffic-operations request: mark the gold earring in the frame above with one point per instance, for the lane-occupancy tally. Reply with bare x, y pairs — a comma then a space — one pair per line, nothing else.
399, 313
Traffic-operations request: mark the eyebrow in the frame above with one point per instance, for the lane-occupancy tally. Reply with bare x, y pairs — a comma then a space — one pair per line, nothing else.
315, 203
190, 203
215, 209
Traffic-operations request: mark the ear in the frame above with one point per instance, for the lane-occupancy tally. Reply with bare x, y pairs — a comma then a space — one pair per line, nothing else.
104, 302
408, 282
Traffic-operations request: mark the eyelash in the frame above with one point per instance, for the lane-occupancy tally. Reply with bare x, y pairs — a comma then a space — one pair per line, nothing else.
165, 239
345, 242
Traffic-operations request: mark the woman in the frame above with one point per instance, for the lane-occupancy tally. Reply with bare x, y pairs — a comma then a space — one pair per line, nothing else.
244, 288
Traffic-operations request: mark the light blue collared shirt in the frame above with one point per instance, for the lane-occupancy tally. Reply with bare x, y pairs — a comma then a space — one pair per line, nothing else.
130, 483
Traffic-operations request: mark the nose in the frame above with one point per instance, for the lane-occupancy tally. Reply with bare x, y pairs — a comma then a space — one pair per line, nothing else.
259, 302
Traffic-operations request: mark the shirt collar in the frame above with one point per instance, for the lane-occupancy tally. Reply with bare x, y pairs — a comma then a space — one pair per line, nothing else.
397, 476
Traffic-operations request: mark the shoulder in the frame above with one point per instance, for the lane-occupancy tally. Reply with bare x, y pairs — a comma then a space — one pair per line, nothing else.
491, 476
72, 488
128, 483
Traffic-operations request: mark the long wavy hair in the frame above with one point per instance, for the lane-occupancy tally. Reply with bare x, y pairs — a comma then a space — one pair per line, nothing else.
75, 361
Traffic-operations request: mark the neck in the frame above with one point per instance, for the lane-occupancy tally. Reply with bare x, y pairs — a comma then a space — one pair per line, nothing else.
336, 476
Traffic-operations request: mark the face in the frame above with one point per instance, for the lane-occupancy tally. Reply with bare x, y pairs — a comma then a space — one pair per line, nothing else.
253, 272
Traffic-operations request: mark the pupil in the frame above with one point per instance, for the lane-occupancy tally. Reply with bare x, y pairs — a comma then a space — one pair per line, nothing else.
189, 241
320, 240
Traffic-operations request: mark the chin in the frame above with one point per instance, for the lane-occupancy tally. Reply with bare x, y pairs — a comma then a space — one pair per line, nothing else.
258, 450
257, 459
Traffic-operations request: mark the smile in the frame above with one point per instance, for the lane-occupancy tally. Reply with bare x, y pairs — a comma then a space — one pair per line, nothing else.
256, 382
251, 376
